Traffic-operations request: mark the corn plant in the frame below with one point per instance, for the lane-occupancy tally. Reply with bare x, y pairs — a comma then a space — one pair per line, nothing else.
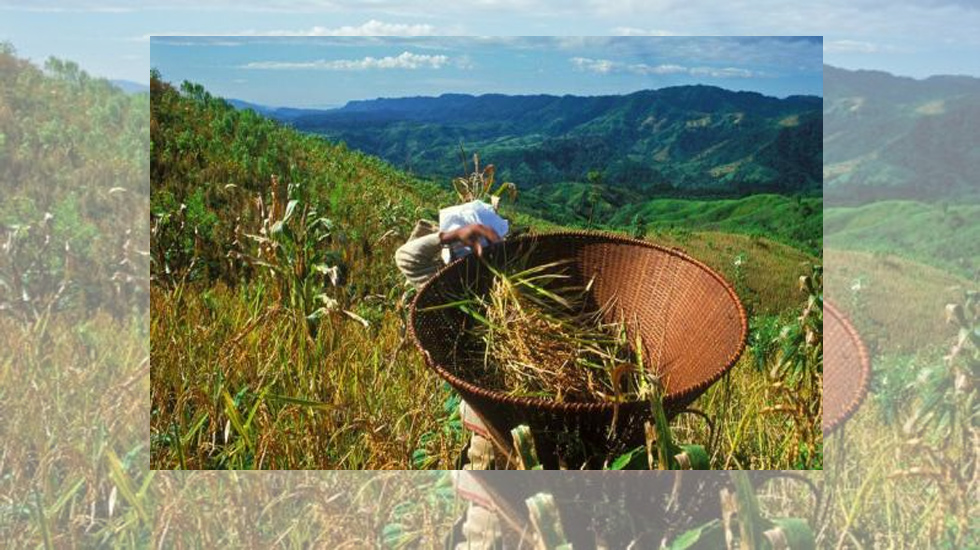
293, 242
660, 452
796, 376
479, 184
942, 435
744, 527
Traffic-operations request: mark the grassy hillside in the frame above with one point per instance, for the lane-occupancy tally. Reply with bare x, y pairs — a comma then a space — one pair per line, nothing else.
301, 360
943, 235
899, 307
898, 304
795, 221
335, 398
765, 274
74, 355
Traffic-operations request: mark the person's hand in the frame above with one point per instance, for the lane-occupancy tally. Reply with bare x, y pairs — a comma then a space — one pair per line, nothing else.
470, 235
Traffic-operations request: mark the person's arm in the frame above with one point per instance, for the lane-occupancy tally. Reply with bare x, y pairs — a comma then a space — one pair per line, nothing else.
418, 259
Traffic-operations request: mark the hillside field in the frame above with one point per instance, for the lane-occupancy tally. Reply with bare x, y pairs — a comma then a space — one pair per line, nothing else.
940, 234
253, 369
792, 220
78, 430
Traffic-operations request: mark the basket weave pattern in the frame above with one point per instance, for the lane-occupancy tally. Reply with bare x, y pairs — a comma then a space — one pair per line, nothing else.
847, 371
690, 321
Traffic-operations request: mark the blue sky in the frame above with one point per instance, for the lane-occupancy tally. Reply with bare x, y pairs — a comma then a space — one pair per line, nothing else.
326, 71
111, 37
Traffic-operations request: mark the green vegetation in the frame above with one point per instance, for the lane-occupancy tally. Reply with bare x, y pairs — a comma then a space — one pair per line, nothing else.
74, 354
265, 356
922, 411
890, 137
247, 375
795, 221
684, 139
942, 234
75, 369
899, 152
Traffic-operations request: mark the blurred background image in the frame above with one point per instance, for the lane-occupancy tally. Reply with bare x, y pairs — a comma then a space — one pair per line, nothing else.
899, 131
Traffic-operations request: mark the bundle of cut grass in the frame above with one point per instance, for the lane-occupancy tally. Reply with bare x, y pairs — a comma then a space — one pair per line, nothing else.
543, 338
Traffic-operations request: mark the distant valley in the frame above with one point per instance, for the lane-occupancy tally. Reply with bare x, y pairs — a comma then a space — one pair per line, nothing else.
890, 137
683, 141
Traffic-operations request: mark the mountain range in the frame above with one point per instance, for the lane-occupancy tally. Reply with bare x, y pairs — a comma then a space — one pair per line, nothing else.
892, 137
130, 87
678, 141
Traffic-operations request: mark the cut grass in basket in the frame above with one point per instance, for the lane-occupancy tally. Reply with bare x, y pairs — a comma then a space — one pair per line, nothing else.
542, 339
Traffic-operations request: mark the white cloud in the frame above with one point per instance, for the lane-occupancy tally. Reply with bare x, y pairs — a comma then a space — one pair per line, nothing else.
633, 31
369, 28
724, 72
406, 60
606, 66
602, 66
850, 46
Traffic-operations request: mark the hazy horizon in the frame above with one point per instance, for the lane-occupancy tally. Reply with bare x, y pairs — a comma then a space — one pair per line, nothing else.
111, 38
314, 71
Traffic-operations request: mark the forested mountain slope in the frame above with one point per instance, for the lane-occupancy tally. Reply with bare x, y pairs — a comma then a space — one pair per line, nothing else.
896, 137
682, 140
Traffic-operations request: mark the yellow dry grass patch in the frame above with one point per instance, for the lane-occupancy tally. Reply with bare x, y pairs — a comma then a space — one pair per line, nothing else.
790, 121
896, 304
932, 108
724, 169
771, 271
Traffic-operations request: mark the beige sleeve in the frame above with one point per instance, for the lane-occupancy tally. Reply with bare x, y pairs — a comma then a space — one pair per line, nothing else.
419, 259
481, 529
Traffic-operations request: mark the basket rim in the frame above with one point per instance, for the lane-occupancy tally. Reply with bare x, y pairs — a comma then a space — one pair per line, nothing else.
864, 362
686, 395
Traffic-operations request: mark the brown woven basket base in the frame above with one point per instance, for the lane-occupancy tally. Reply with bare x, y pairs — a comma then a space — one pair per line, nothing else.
690, 321
847, 369
618, 507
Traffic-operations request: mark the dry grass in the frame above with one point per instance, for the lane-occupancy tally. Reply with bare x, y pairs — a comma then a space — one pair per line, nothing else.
340, 400
342, 510
922, 416
354, 397
541, 338
766, 279
865, 285
73, 420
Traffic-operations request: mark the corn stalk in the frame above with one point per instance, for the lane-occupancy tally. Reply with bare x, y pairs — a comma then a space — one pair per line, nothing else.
293, 243
796, 376
941, 444
479, 184
743, 527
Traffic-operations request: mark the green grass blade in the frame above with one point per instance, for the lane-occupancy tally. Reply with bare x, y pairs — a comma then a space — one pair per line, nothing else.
299, 401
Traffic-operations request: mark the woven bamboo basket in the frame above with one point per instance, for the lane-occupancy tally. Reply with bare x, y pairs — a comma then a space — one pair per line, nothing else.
692, 325
847, 369
614, 506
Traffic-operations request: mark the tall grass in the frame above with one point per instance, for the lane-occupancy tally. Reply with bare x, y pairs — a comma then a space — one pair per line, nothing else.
77, 433
903, 471
278, 318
